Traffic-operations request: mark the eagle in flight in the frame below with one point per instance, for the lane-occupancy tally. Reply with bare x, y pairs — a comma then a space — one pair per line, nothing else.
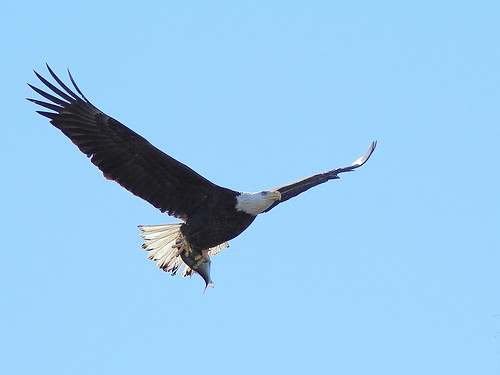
211, 215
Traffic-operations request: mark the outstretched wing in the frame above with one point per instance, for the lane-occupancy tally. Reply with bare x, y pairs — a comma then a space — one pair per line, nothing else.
297, 187
124, 156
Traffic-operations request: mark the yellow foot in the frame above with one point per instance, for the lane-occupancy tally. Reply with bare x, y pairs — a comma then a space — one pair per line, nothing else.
201, 258
181, 246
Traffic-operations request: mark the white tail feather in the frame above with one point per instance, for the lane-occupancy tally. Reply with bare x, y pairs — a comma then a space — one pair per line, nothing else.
160, 241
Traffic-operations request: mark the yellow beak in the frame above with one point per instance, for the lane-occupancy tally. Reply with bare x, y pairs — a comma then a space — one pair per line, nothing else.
276, 196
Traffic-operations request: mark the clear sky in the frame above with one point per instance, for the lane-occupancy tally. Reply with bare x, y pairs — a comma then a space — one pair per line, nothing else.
393, 269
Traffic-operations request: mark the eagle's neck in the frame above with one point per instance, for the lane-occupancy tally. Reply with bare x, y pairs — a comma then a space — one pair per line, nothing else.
253, 203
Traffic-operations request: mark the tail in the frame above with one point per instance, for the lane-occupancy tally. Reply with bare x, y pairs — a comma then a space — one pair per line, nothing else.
160, 241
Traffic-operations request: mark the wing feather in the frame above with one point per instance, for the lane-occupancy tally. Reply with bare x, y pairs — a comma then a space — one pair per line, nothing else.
295, 188
126, 157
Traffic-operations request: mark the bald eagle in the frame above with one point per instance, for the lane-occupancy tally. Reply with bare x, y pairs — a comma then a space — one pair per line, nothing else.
211, 215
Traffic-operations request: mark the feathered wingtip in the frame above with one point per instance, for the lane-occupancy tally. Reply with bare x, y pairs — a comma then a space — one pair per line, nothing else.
356, 164
66, 96
363, 159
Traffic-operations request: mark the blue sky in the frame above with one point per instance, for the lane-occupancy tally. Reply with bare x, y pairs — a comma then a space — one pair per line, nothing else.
393, 269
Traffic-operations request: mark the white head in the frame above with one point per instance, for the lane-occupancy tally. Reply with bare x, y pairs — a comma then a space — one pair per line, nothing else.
255, 203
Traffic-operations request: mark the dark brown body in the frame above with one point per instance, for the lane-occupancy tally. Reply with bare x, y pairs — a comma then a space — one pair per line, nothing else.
215, 226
